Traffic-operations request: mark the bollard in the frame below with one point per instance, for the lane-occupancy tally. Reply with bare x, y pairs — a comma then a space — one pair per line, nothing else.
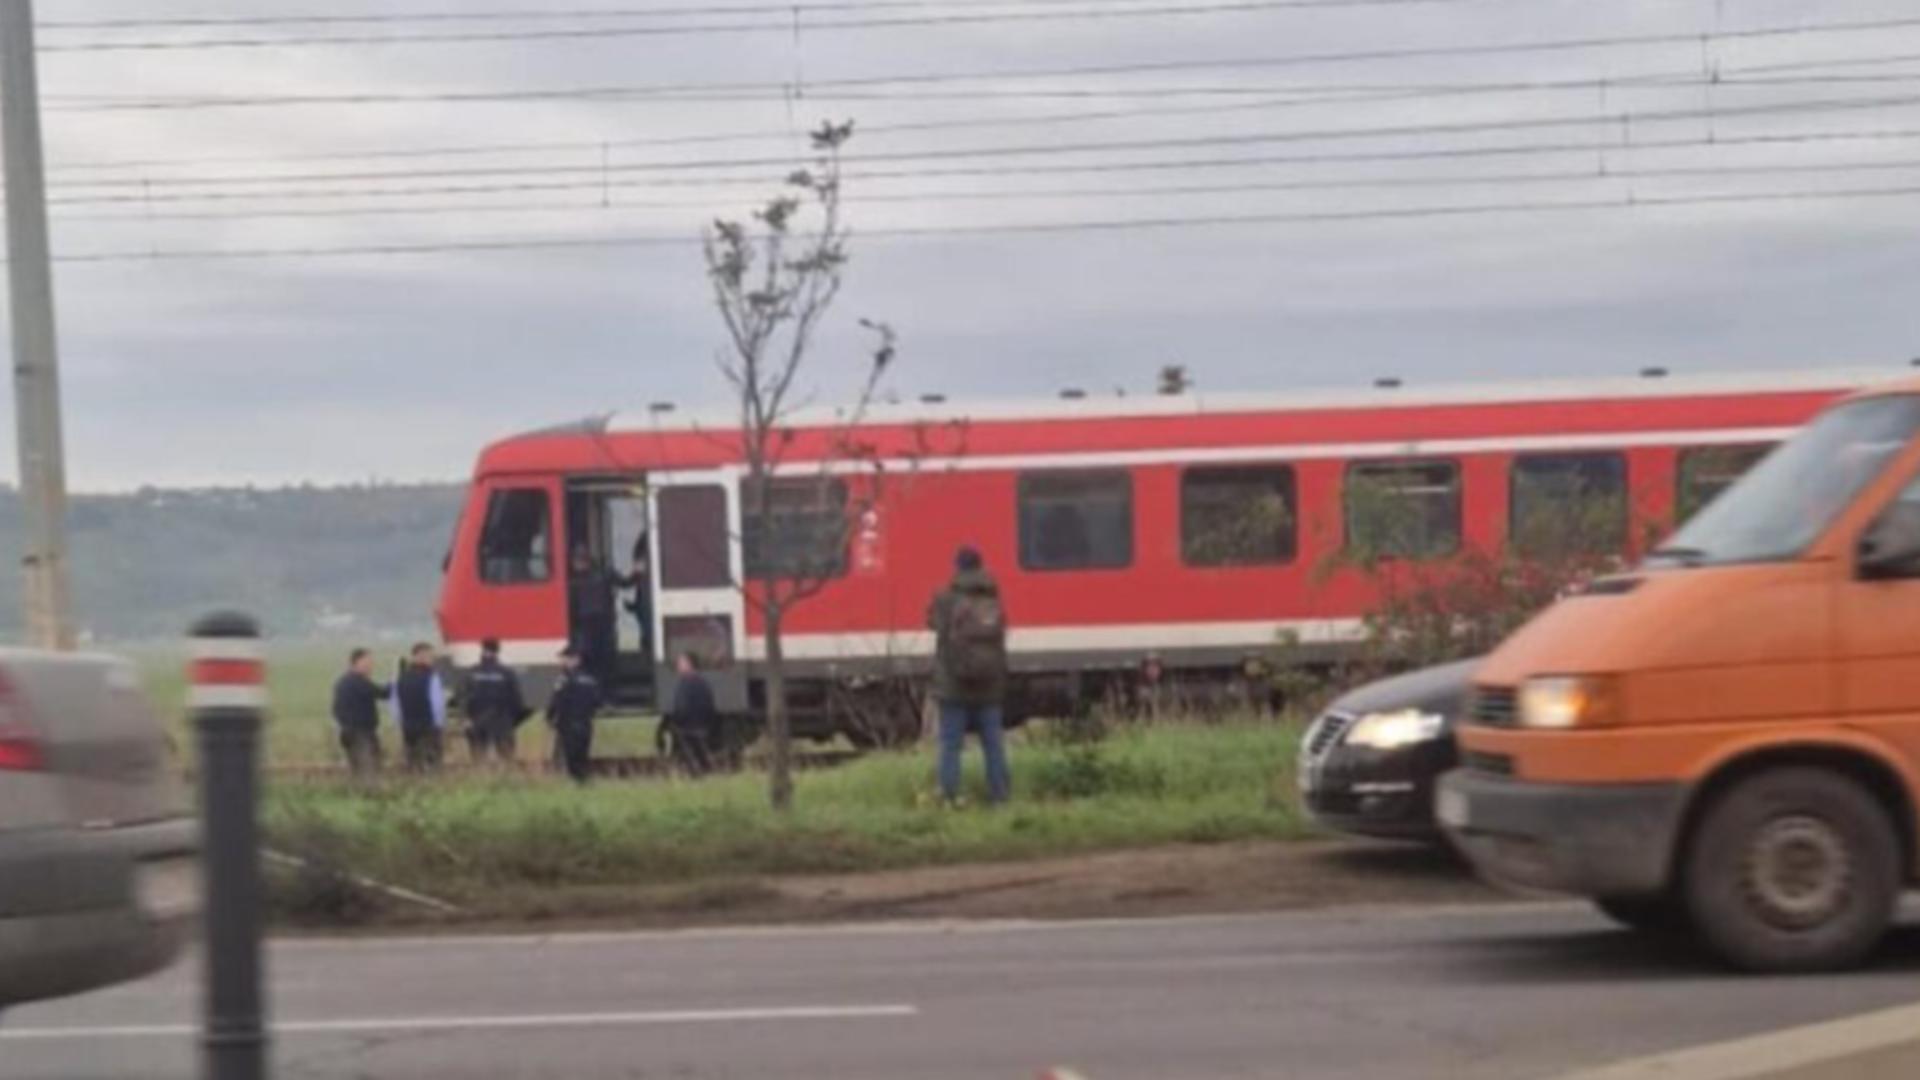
228, 700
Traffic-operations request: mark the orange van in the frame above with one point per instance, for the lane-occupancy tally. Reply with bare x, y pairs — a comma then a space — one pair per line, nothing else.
1727, 738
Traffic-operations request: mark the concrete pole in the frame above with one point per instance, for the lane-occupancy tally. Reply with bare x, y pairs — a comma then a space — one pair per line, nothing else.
36, 360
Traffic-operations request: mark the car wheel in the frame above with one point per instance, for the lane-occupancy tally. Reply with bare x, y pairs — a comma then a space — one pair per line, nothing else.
1658, 914
1795, 869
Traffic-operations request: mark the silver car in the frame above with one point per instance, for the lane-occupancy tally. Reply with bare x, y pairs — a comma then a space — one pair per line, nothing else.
99, 869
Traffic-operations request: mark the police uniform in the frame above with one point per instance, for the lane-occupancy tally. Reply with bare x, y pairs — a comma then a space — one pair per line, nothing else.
576, 701
495, 708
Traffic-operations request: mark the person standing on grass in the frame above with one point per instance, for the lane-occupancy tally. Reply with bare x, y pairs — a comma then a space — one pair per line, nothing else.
575, 703
356, 713
970, 673
495, 706
694, 720
420, 701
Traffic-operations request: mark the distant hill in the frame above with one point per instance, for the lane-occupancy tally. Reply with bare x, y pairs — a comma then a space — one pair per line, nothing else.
309, 561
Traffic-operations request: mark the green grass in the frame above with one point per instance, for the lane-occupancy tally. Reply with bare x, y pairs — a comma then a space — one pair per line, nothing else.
300, 731
467, 838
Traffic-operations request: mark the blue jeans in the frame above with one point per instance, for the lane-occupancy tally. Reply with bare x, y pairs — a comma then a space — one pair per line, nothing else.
954, 721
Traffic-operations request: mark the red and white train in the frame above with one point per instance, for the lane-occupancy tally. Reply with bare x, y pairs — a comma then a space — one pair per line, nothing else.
1095, 515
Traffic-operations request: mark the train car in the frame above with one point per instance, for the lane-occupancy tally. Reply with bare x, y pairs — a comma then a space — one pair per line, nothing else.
1183, 534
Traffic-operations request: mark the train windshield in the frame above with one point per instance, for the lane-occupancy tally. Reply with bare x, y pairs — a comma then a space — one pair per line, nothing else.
1785, 502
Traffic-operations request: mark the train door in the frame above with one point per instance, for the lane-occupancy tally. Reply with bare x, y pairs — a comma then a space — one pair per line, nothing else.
697, 608
609, 585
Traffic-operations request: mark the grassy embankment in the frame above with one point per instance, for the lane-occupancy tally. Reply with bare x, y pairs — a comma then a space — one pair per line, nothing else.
517, 845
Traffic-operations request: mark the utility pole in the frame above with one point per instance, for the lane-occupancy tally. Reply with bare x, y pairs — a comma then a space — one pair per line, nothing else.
36, 359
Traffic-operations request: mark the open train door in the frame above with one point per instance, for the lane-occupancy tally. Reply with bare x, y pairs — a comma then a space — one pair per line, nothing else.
697, 608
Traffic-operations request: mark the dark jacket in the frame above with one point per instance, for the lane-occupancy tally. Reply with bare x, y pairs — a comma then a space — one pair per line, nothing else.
946, 687
356, 702
576, 700
693, 707
493, 697
416, 696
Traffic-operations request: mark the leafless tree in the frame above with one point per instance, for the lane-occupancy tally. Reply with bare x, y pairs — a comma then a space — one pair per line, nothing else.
774, 280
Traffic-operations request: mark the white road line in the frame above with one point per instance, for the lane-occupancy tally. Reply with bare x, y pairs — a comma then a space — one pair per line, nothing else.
479, 1023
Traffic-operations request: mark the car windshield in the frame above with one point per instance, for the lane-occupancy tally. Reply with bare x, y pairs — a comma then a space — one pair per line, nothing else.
1787, 500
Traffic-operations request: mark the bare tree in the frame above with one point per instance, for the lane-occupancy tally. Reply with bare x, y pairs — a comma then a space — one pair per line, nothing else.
774, 279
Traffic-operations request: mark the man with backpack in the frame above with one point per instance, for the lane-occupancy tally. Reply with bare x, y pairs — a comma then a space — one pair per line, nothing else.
970, 673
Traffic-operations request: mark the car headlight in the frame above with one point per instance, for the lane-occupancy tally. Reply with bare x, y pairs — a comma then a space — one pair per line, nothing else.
1392, 730
1559, 702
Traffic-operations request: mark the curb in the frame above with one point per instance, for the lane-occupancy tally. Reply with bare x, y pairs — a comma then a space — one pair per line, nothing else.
1875, 1046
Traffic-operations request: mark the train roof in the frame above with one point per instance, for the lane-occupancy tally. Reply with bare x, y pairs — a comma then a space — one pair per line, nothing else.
1200, 404
935, 412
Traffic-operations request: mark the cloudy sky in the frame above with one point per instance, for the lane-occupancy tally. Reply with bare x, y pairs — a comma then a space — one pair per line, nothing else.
226, 314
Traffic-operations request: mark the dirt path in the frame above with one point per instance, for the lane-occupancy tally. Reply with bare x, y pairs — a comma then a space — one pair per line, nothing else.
1213, 879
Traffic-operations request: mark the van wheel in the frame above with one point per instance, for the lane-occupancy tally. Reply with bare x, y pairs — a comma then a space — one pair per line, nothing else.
1796, 869
1657, 914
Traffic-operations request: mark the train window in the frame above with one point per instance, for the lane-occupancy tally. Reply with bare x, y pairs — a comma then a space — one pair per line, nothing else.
1403, 509
1706, 471
804, 533
1568, 504
516, 543
1237, 516
693, 537
1076, 521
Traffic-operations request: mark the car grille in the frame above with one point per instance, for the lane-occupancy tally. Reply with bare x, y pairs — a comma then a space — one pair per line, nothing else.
1492, 764
1327, 732
1495, 706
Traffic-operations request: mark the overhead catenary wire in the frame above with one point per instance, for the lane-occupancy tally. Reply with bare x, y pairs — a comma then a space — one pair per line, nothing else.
553, 14
681, 91
1581, 147
1096, 225
167, 185
780, 25
1600, 172
1293, 96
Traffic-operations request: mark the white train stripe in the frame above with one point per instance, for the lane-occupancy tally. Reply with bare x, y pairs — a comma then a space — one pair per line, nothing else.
1138, 638
227, 697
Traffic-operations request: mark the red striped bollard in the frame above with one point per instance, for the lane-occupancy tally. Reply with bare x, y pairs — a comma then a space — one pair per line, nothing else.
227, 697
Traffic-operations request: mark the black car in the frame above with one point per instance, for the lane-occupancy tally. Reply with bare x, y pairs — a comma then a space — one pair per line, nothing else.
1369, 762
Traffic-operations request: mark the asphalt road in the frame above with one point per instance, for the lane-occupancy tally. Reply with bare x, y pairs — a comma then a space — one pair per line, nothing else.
1484, 992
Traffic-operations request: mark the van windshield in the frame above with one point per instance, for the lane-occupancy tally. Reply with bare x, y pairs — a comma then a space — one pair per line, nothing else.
1784, 503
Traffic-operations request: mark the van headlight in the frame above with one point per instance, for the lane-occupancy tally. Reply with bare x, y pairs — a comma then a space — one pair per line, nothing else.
1559, 702
1393, 730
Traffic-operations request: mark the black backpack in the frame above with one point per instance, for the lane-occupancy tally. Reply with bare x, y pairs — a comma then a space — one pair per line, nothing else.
976, 647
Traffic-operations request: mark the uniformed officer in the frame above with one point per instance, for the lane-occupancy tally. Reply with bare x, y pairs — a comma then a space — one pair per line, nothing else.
576, 701
495, 706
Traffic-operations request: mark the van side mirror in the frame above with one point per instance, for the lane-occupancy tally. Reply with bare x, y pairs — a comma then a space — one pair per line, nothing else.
1891, 545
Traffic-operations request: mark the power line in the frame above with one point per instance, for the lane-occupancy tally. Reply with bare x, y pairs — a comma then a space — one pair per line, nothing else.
1285, 97
778, 26
680, 91
1600, 172
1629, 202
1585, 148
168, 183
574, 14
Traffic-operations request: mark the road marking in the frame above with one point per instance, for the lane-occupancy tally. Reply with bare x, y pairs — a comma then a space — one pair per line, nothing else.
480, 1023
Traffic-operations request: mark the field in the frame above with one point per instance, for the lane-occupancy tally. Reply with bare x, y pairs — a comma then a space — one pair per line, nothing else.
300, 733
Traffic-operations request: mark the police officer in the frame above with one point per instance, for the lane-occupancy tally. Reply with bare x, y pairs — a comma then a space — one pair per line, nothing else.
495, 706
576, 701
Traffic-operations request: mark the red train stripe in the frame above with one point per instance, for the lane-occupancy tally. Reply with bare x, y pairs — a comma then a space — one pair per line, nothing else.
226, 672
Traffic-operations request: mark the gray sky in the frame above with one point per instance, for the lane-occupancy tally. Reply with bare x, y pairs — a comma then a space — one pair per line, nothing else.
351, 366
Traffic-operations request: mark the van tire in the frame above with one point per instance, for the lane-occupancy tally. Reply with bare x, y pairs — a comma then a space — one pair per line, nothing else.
1793, 870
1656, 914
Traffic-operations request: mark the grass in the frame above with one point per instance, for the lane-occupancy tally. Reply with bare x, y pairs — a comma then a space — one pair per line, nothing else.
300, 731
467, 839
